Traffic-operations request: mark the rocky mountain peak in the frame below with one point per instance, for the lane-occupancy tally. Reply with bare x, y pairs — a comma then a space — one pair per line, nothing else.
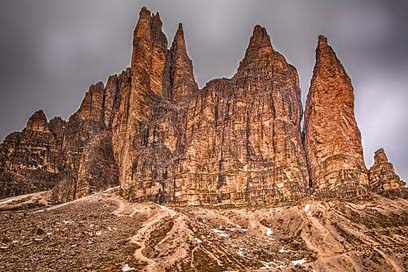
259, 38
332, 138
259, 45
322, 41
382, 175
237, 141
179, 43
260, 55
178, 77
37, 121
380, 156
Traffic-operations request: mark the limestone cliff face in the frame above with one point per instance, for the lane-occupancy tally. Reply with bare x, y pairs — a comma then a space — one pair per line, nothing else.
138, 101
29, 160
237, 141
382, 175
87, 150
332, 138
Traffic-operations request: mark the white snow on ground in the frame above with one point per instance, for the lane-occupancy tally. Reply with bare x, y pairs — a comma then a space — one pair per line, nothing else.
126, 268
282, 250
307, 209
268, 265
296, 262
268, 231
220, 232
170, 211
241, 228
241, 252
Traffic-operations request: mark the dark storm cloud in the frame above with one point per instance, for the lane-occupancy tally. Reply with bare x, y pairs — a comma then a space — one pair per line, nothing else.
52, 50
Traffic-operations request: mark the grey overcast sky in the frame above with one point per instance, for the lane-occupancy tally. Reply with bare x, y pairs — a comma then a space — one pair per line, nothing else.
52, 50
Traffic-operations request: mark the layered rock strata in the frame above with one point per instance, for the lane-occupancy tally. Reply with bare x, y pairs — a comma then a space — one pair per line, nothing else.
381, 175
89, 163
30, 160
332, 138
236, 141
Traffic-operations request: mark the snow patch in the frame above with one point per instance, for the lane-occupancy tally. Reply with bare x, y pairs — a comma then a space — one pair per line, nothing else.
268, 231
269, 265
307, 209
220, 232
241, 252
126, 268
241, 228
282, 250
298, 262
170, 211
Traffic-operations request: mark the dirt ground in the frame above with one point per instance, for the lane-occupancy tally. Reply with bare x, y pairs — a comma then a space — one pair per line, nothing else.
103, 232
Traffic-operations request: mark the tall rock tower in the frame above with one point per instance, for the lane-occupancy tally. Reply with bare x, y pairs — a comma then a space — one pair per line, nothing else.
138, 99
237, 141
332, 138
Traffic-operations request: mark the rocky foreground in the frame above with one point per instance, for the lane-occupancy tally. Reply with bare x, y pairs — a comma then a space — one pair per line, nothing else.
104, 232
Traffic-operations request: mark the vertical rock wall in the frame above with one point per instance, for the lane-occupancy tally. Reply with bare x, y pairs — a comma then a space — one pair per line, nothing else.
332, 138
236, 141
30, 160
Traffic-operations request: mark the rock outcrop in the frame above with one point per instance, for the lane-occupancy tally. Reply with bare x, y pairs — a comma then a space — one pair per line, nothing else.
381, 175
235, 142
29, 160
332, 138
89, 164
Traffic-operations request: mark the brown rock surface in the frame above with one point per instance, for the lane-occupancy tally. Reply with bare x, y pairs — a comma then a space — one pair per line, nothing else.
237, 141
89, 164
382, 175
29, 160
332, 138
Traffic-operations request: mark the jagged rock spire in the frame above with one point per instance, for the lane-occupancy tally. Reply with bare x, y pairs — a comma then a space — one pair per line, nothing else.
259, 39
332, 138
382, 175
37, 121
179, 78
149, 53
92, 105
179, 44
259, 51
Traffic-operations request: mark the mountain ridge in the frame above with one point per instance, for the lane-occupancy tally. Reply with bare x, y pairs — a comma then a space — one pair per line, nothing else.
235, 141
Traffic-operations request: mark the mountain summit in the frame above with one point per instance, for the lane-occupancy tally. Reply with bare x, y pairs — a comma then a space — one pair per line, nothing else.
170, 177
235, 142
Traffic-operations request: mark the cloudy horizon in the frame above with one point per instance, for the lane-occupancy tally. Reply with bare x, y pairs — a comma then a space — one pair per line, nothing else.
53, 50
